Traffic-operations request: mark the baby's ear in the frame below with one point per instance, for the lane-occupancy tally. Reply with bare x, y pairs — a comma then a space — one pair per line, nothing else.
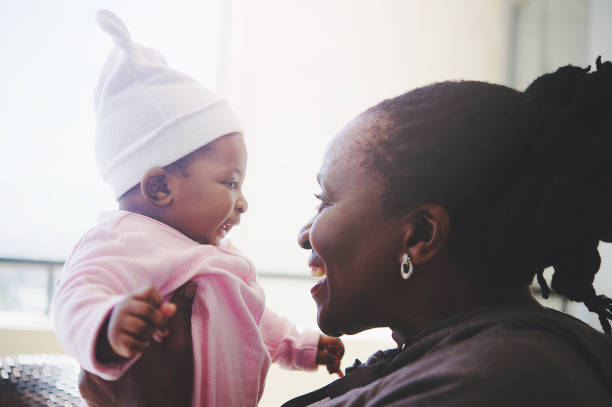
154, 187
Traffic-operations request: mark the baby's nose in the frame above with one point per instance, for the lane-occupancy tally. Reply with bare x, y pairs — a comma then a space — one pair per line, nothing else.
242, 205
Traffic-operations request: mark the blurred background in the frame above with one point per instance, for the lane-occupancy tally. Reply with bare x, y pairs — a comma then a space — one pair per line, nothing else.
295, 71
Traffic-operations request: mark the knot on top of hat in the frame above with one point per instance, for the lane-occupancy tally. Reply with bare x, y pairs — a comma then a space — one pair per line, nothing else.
113, 26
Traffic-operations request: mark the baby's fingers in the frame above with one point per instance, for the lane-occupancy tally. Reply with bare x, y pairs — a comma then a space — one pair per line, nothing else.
147, 312
325, 357
150, 295
334, 367
131, 336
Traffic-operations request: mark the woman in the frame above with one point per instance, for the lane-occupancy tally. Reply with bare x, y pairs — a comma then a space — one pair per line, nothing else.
438, 207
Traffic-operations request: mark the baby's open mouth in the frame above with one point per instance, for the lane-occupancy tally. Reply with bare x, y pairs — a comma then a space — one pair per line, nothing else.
224, 230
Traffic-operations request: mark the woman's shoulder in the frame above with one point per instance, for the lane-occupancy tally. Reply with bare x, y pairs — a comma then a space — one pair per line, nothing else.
531, 335
505, 357
518, 321
501, 356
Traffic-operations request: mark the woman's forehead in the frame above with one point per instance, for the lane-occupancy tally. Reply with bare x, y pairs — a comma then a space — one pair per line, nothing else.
354, 137
345, 157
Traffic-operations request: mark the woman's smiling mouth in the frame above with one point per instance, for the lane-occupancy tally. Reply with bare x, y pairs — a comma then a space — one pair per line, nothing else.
317, 270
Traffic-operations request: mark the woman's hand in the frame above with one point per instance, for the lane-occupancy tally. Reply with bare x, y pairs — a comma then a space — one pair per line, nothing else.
162, 376
329, 353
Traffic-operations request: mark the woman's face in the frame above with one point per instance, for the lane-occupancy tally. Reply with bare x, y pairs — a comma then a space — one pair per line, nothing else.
354, 242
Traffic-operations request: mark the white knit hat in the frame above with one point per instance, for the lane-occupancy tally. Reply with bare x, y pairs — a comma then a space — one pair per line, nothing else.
148, 114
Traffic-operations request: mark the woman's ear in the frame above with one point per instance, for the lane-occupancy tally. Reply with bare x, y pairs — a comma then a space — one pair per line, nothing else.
154, 187
426, 230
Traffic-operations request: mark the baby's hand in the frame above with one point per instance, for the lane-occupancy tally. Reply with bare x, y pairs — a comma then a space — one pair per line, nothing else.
135, 319
329, 353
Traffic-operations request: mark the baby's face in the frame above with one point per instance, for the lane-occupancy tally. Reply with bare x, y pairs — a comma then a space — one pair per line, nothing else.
207, 201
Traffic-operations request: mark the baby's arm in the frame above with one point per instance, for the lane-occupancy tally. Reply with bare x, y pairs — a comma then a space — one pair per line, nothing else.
296, 349
162, 376
131, 325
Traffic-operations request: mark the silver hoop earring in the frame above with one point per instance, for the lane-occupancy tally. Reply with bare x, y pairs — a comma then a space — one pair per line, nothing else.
406, 268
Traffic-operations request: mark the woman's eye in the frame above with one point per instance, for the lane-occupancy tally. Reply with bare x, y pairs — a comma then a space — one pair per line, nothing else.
323, 201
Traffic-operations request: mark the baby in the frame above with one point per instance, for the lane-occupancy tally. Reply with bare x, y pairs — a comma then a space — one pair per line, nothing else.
175, 157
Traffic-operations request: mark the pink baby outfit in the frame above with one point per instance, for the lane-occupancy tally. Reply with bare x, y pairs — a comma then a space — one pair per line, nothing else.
235, 338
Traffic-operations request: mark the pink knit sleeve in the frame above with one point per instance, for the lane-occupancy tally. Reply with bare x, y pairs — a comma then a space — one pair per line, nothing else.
81, 305
292, 348
100, 272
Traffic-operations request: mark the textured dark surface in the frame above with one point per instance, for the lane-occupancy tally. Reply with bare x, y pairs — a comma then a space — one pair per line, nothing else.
38, 380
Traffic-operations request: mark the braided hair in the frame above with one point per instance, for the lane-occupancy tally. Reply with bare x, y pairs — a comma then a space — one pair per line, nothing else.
526, 176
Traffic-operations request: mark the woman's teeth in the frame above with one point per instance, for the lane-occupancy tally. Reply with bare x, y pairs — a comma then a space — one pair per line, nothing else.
317, 271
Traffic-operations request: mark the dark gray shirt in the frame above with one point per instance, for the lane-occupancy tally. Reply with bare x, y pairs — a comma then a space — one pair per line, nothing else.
510, 356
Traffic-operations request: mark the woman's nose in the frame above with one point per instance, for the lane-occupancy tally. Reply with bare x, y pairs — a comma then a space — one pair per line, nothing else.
304, 236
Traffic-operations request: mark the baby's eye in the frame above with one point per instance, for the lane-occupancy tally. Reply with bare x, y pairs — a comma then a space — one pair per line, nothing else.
230, 184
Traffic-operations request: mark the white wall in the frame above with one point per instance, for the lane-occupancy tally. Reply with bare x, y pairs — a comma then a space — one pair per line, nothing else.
298, 71
550, 33
52, 53
600, 30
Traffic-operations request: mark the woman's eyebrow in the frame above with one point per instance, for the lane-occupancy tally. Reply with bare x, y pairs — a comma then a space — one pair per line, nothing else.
324, 186
321, 181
